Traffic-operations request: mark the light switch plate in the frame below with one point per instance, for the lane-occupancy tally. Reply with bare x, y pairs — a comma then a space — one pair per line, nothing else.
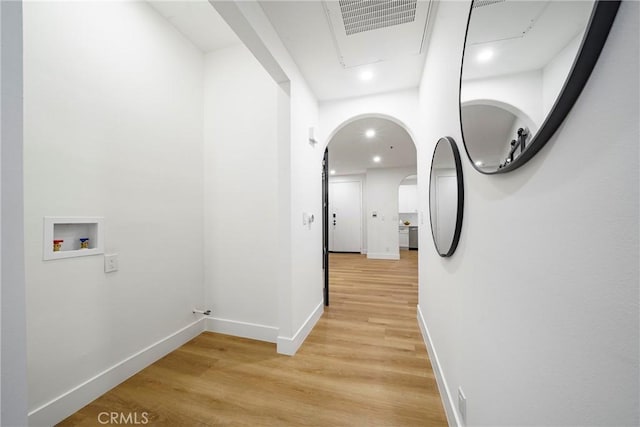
110, 263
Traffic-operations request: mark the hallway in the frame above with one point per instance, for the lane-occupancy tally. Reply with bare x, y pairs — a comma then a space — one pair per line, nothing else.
363, 364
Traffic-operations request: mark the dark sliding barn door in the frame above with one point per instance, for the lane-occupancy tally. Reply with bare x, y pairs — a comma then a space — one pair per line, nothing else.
325, 224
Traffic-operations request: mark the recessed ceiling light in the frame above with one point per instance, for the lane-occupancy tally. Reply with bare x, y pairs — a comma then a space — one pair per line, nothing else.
377, 159
370, 133
332, 171
485, 55
366, 75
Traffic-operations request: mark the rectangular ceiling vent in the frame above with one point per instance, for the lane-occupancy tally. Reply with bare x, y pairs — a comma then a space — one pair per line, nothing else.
372, 31
359, 16
483, 3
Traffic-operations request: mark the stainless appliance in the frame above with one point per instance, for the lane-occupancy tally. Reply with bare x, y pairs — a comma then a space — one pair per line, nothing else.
413, 237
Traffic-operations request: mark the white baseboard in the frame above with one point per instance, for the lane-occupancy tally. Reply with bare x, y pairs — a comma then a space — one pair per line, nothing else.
385, 255
68, 403
242, 329
289, 346
448, 401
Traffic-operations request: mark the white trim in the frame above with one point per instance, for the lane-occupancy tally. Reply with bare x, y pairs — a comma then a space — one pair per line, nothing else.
383, 256
71, 401
242, 329
453, 418
289, 346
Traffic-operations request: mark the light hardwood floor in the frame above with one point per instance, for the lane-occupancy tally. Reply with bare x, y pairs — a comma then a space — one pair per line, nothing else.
364, 364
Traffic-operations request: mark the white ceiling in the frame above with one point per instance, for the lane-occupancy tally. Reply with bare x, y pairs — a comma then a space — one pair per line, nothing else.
198, 21
351, 152
330, 61
524, 35
319, 53
305, 30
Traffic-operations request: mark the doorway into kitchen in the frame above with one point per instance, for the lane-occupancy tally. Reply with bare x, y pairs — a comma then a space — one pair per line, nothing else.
408, 213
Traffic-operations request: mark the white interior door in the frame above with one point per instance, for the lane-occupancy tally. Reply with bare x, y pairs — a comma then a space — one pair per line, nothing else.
345, 216
446, 202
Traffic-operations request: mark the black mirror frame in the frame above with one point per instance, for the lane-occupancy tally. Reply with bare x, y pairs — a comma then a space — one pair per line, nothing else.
600, 22
460, 204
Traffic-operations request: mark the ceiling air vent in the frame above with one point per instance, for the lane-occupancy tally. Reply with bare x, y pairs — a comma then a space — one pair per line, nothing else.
482, 3
371, 31
365, 15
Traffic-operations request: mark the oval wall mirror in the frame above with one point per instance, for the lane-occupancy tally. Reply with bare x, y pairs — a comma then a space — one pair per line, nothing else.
523, 67
446, 196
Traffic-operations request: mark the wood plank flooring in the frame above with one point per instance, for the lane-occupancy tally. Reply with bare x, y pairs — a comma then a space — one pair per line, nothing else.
364, 364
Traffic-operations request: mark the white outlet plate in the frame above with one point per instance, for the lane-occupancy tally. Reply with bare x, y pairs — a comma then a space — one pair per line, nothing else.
110, 263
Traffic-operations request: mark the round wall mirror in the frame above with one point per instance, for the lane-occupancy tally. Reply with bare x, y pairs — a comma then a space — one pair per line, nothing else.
523, 67
446, 196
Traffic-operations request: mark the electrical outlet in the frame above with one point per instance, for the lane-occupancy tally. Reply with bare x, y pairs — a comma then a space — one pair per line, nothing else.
110, 263
462, 405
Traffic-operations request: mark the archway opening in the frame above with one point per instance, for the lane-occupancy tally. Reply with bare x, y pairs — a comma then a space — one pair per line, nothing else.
367, 157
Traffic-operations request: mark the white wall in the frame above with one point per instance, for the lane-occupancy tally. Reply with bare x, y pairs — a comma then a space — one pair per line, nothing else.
521, 90
13, 346
113, 128
382, 198
241, 194
400, 107
306, 175
536, 314
300, 274
554, 74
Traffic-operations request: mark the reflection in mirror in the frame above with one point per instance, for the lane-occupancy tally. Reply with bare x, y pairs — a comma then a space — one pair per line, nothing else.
524, 65
446, 196
490, 124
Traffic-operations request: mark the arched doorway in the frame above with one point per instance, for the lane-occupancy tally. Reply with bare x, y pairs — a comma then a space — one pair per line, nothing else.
365, 160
